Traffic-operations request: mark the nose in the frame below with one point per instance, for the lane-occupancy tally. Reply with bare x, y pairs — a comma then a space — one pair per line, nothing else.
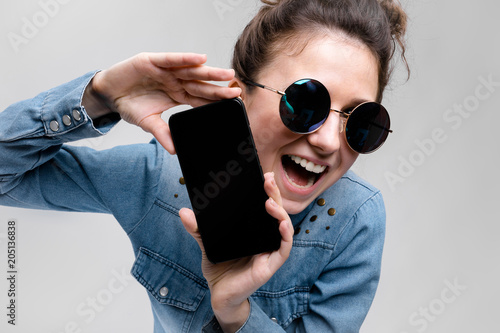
326, 140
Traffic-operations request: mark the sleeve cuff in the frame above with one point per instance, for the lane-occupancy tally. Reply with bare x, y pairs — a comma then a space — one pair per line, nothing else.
64, 117
212, 327
257, 321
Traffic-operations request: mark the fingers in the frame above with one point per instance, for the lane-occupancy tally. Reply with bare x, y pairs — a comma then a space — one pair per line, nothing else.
188, 220
201, 93
275, 209
183, 78
188, 66
285, 224
271, 188
274, 204
279, 257
172, 59
205, 73
276, 259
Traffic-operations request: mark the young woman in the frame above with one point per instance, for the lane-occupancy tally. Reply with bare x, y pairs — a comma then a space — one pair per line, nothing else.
311, 74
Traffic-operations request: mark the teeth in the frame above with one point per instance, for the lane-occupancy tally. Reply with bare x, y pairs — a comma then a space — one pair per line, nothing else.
309, 183
319, 168
308, 165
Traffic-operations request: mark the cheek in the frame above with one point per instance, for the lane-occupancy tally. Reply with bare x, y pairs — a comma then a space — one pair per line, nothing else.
269, 134
265, 122
266, 132
348, 156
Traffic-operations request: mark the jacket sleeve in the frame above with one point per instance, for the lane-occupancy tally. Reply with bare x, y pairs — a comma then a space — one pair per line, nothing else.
38, 170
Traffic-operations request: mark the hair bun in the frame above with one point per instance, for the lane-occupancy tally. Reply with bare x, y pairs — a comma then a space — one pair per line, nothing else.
398, 20
270, 2
378, 24
396, 16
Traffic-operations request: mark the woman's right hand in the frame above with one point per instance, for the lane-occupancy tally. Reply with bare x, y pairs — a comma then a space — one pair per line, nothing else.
232, 282
141, 88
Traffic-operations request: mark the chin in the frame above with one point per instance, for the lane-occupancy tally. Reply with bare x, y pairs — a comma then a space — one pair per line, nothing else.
293, 207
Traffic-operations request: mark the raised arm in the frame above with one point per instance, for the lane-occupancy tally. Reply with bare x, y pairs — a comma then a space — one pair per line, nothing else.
141, 88
34, 164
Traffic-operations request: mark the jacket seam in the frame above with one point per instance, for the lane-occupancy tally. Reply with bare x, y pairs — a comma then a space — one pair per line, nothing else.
155, 195
278, 294
323, 245
140, 221
174, 302
163, 205
159, 203
371, 189
164, 261
42, 110
302, 308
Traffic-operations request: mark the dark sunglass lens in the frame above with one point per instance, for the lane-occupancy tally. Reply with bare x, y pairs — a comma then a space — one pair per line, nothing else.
367, 127
305, 106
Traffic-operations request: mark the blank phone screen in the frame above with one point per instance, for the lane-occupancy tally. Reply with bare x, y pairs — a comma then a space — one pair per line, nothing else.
224, 179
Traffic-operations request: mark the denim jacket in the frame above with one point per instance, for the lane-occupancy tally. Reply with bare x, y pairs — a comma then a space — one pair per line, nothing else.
327, 284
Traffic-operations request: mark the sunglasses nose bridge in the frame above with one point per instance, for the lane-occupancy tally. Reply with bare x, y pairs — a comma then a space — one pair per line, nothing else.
342, 119
327, 138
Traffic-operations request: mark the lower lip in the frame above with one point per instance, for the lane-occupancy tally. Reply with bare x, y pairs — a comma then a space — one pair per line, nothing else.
294, 189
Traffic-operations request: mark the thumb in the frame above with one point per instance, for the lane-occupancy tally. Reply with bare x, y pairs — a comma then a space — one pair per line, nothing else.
155, 125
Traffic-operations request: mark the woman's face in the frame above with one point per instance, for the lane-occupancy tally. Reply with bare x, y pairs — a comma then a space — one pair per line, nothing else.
349, 71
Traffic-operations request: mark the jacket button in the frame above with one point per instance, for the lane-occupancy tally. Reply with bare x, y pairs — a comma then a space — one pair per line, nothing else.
321, 202
274, 320
164, 291
54, 126
66, 120
76, 115
332, 211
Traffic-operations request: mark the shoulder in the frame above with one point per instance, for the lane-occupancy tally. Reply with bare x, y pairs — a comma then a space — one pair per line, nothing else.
353, 184
351, 194
347, 209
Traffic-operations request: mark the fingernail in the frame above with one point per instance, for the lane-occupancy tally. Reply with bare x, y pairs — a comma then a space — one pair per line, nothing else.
272, 202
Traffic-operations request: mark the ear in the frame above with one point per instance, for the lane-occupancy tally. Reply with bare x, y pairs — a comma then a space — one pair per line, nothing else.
236, 83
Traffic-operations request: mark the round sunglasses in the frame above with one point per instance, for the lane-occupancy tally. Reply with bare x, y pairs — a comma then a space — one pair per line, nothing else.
305, 106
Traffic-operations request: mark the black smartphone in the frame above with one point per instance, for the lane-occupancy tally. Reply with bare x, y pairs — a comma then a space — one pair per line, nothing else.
224, 179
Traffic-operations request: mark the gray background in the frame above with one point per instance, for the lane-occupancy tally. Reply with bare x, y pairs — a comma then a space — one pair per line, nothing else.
442, 225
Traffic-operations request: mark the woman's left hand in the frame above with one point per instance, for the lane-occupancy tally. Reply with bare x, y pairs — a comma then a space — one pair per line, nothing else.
231, 283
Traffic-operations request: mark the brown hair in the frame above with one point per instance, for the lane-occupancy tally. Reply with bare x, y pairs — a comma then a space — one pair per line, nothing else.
378, 24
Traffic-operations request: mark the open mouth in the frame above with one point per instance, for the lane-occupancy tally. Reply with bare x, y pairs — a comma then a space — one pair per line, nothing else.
301, 172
